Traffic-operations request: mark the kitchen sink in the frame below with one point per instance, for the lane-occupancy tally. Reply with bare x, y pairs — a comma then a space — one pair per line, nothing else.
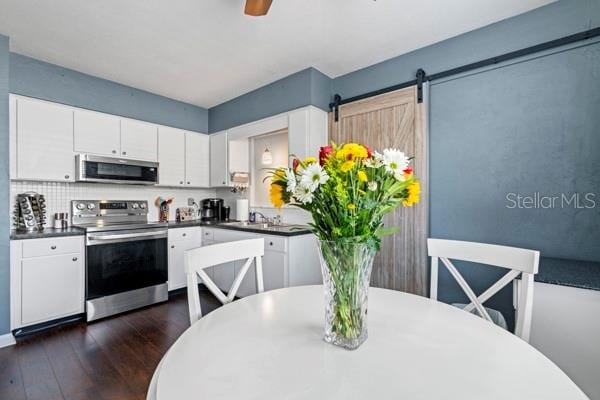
266, 226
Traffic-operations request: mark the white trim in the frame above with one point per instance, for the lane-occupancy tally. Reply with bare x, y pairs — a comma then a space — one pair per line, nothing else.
7, 340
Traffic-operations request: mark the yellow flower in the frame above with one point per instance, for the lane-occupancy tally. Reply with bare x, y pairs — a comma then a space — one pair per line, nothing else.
351, 206
276, 195
347, 166
414, 191
351, 151
362, 176
309, 160
279, 173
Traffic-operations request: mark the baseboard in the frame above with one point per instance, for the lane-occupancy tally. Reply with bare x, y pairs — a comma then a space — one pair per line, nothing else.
7, 340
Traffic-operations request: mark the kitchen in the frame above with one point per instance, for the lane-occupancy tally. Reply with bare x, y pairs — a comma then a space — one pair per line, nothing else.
107, 172
200, 199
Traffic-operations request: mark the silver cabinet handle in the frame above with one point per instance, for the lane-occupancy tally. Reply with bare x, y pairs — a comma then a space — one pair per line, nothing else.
74, 258
52, 247
67, 176
114, 152
181, 182
124, 153
184, 235
270, 243
188, 182
223, 182
172, 246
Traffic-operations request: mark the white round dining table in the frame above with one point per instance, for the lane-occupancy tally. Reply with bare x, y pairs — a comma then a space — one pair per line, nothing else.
270, 346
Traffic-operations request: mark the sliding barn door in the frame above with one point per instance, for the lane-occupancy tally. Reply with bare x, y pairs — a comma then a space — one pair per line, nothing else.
394, 120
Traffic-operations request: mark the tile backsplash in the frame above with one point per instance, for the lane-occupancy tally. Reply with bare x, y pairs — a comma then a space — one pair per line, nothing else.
59, 195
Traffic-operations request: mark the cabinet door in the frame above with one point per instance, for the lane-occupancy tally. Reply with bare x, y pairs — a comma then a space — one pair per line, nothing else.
44, 141
97, 133
273, 273
139, 140
171, 156
177, 277
52, 287
219, 170
298, 133
197, 162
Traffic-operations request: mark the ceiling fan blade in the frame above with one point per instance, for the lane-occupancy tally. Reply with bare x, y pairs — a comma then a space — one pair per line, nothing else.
257, 7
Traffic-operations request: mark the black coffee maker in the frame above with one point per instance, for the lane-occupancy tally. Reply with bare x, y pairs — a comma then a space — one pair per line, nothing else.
213, 211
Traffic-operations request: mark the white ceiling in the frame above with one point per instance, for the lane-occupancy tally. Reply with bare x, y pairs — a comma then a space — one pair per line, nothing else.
205, 52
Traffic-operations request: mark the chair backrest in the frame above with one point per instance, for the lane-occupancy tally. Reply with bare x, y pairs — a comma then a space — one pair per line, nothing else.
198, 259
518, 261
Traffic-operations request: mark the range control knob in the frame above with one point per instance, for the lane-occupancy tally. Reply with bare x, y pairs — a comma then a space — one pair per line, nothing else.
135, 206
91, 206
80, 206
143, 206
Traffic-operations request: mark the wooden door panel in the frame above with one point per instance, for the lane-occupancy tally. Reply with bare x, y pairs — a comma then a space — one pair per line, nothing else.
394, 120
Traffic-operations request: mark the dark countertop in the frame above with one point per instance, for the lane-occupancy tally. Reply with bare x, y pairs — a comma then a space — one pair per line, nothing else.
46, 233
565, 272
289, 230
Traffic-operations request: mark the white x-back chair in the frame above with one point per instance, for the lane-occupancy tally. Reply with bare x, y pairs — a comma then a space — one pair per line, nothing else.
199, 259
518, 261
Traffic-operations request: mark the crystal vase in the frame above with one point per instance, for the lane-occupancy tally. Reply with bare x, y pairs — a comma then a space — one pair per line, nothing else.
346, 266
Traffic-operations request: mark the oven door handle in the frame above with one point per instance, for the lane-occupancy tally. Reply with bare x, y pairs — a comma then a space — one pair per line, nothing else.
126, 237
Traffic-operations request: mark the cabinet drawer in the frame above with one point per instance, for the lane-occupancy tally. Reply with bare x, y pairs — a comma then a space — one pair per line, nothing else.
275, 243
272, 243
191, 233
208, 234
52, 246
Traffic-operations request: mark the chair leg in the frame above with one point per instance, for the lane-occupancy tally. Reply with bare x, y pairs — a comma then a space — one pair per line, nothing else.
193, 297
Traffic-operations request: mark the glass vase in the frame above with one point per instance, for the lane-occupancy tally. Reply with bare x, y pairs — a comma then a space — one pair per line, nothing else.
346, 266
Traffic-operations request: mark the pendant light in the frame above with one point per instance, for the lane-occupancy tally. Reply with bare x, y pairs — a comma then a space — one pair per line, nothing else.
267, 157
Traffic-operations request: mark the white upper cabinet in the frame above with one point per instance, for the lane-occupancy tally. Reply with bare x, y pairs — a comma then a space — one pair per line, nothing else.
307, 131
97, 133
197, 159
44, 141
171, 156
219, 170
139, 140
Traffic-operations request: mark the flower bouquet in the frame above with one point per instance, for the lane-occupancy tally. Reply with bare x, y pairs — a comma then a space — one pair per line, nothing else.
347, 191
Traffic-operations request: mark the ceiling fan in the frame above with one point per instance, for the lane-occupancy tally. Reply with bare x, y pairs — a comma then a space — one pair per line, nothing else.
257, 8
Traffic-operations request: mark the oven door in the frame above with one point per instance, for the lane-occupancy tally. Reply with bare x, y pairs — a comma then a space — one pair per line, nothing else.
116, 170
120, 261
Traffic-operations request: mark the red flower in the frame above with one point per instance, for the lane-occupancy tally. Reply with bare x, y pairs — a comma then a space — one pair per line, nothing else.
408, 171
369, 151
324, 154
295, 164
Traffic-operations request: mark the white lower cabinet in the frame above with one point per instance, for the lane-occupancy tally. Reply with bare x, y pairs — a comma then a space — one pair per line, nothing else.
180, 240
287, 261
47, 279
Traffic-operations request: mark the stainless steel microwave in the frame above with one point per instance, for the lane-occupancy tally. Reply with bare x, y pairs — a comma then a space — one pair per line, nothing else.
90, 168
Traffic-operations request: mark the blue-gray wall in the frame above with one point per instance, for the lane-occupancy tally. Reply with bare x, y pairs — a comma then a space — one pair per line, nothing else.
555, 20
4, 190
307, 87
31, 77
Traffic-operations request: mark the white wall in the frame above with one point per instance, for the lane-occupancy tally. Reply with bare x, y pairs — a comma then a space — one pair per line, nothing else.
59, 195
566, 329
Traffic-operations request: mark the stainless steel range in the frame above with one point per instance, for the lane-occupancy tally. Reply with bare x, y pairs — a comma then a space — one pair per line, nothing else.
126, 256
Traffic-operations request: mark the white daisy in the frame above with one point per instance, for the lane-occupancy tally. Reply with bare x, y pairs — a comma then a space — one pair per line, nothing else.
395, 161
313, 176
303, 194
290, 177
372, 186
375, 162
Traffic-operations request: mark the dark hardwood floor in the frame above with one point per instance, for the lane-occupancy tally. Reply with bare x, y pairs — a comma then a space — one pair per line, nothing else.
108, 359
